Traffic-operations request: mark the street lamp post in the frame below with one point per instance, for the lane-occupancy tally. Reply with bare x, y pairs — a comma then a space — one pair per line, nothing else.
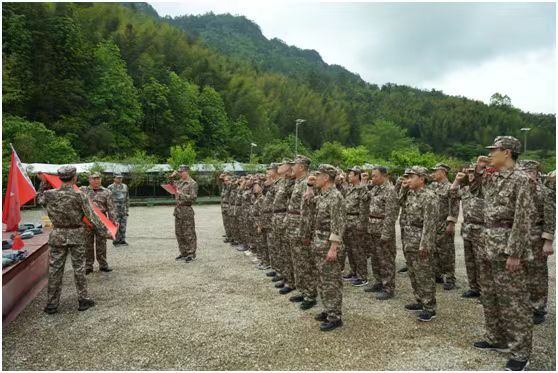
525, 130
252, 147
298, 122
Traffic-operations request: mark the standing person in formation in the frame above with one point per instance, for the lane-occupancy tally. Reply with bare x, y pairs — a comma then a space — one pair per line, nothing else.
542, 236
382, 209
509, 205
184, 222
234, 207
66, 209
121, 199
267, 218
96, 244
354, 239
447, 212
225, 193
473, 223
398, 184
328, 221
419, 230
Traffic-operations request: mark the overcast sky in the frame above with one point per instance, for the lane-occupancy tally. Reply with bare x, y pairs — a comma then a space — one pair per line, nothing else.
467, 49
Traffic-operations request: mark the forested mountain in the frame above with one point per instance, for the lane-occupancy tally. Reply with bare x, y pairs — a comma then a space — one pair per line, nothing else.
89, 81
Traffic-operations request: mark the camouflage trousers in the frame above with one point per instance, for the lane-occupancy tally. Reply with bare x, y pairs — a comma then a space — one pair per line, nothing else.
330, 283
382, 258
354, 241
281, 252
444, 256
537, 274
122, 220
226, 221
304, 267
57, 262
421, 274
471, 250
508, 315
235, 226
269, 240
263, 251
185, 230
95, 247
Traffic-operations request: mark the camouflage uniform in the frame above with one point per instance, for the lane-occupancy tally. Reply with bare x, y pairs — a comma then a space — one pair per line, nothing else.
121, 199
66, 209
328, 219
184, 222
382, 210
225, 194
234, 212
354, 239
96, 244
266, 225
259, 237
281, 253
508, 205
419, 230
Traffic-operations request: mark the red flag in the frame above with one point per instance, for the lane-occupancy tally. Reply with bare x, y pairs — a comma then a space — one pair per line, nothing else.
19, 191
18, 242
169, 188
55, 182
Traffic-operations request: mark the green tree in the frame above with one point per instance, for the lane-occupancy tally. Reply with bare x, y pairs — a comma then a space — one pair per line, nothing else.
185, 154
355, 156
331, 153
383, 137
215, 123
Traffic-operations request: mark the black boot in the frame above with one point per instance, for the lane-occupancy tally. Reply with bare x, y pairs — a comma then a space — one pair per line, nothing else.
85, 304
330, 325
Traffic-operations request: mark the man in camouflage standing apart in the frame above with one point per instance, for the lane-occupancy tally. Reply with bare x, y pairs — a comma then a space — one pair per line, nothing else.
96, 244
446, 216
66, 209
184, 222
542, 236
419, 230
508, 195
328, 220
121, 199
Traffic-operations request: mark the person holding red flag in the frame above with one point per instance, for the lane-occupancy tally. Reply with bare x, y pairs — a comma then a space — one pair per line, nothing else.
66, 208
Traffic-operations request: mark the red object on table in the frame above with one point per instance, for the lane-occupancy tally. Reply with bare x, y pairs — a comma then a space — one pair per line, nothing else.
18, 242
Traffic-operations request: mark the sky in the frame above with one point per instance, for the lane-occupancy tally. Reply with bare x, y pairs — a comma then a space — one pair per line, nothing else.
465, 49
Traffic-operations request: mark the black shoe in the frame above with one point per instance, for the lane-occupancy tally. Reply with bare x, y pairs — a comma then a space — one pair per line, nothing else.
439, 280
427, 316
51, 310
180, 257
517, 365
330, 325
286, 290
105, 269
123, 243
403, 270
449, 286
115, 243
307, 304
414, 307
277, 278
279, 285
377, 287
485, 346
349, 277
189, 259
358, 282
384, 296
471, 294
85, 304
296, 298
322, 316
88, 271
271, 274
538, 317
226, 240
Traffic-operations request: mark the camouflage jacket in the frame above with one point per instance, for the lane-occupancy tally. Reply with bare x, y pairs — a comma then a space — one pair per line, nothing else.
267, 205
447, 208
549, 224
327, 214
355, 207
508, 210
186, 192
473, 218
102, 198
420, 220
120, 196
284, 187
66, 208
225, 194
297, 213
543, 219
382, 210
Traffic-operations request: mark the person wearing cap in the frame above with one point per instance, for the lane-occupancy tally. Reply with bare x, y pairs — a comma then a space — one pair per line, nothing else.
234, 206
419, 230
355, 228
381, 210
327, 212
256, 213
297, 216
66, 209
447, 213
244, 216
542, 236
184, 221
508, 195
280, 254
225, 182
265, 226
473, 223
96, 244
401, 195
121, 199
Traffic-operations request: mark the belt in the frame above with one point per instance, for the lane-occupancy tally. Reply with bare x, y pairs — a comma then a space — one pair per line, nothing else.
376, 217
473, 222
184, 204
500, 224
353, 213
293, 212
279, 211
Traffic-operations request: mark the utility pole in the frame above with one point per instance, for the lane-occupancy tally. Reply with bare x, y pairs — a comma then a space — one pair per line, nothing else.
251, 147
298, 122
525, 130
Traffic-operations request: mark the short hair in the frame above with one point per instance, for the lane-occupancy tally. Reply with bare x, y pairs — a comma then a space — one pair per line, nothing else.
383, 170
515, 156
66, 178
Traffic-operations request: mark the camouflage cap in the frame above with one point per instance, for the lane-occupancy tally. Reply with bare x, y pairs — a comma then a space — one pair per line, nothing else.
67, 171
300, 159
118, 174
183, 167
506, 142
95, 175
418, 170
272, 166
327, 169
286, 161
529, 164
441, 166
355, 169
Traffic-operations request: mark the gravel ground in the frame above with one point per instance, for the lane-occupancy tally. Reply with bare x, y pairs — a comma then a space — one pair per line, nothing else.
219, 313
